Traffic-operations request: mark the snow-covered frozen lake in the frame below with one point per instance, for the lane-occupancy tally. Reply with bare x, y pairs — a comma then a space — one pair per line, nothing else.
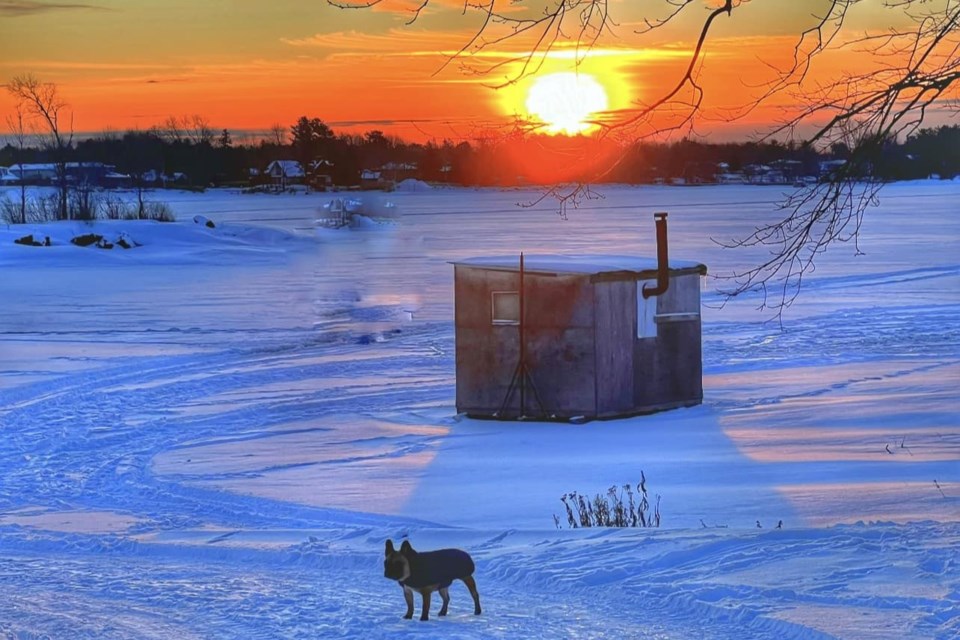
212, 435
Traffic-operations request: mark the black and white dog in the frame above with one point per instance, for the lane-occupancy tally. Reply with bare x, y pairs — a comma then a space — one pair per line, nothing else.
427, 572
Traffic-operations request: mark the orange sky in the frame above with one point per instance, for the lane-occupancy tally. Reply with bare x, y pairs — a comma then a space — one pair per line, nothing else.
246, 64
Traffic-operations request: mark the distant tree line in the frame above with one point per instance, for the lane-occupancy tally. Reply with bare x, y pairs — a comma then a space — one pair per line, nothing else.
189, 146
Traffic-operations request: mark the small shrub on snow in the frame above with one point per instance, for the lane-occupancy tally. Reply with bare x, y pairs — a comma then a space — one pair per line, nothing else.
10, 211
43, 208
159, 211
84, 203
116, 208
620, 507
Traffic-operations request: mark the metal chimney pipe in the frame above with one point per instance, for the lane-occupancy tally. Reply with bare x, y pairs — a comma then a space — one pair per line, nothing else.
663, 262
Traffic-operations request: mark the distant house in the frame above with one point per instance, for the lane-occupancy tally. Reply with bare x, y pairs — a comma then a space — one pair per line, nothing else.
731, 177
178, 177
792, 170
321, 174
699, 172
830, 167
91, 173
33, 172
41, 173
446, 171
284, 172
726, 175
774, 176
371, 179
398, 171
115, 180
764, 174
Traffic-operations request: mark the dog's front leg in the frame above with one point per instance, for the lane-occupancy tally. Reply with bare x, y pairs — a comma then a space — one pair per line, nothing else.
425, 611
408, 596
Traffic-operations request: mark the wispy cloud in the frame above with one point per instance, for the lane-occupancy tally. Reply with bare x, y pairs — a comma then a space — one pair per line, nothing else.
394, 41
73, 65
414, 8
570, 53
18, 8
120, 73
406, 42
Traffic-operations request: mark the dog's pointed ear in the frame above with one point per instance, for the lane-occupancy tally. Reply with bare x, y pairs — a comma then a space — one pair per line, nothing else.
406, 547
389, 547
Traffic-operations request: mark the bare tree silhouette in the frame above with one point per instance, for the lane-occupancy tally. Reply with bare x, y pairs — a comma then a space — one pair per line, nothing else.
19, 134
42, 101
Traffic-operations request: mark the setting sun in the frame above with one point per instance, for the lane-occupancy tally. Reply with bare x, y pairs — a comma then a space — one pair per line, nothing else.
565, 102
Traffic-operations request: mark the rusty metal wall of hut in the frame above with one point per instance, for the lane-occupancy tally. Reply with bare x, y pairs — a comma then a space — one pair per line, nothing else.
669, 368
559, 328
485, 358
615, 304
560, 332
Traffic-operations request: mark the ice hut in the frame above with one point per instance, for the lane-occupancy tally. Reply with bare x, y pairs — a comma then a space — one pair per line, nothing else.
586, 336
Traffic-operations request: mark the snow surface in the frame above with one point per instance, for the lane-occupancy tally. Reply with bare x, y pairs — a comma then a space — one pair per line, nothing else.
412, 184
212, 434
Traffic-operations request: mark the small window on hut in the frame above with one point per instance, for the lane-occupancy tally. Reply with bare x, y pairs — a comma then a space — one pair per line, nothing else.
506, 307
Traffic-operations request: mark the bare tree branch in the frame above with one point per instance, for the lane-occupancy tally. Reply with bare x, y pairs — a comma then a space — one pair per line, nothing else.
914, 69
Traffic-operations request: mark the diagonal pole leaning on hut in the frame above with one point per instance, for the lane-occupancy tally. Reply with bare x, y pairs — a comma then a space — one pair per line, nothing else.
522, 378
521, 373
